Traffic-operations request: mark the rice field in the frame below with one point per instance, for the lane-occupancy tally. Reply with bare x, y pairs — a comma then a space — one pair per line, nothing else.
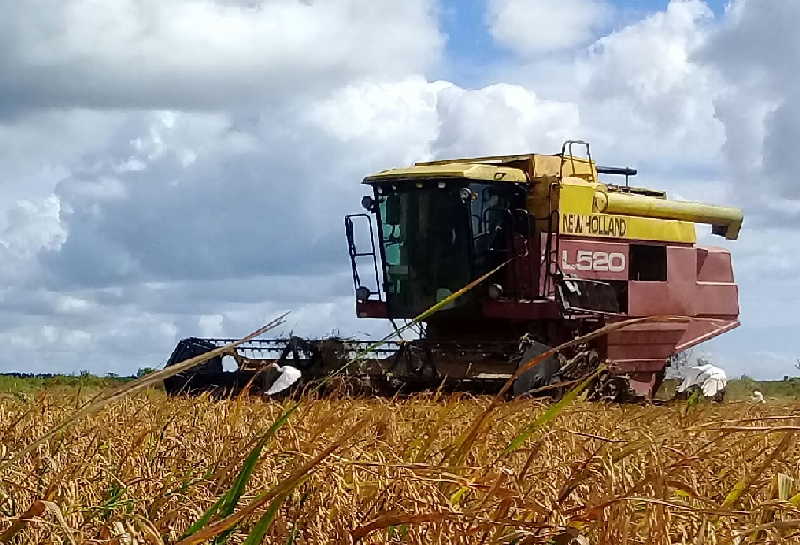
147, 469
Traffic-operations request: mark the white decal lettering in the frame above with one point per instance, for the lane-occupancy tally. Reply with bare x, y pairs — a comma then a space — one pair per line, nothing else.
584, 261
587, 260
616, 262
565, 261
600, 261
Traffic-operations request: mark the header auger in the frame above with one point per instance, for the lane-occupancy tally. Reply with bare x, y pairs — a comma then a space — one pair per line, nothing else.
574, 253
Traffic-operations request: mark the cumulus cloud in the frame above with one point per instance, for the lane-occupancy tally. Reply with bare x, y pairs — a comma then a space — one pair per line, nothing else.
638, 94
533, 27
31, 227
500, 119
203, 53
758, 105
641, 98
640, 84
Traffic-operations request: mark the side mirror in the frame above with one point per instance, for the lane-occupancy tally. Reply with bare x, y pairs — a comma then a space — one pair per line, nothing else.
368, 203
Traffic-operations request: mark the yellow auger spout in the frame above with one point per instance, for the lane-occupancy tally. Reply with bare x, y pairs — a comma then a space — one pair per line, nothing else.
725, 220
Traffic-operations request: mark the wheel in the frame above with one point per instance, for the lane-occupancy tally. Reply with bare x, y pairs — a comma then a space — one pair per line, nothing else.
608, 387
540, 375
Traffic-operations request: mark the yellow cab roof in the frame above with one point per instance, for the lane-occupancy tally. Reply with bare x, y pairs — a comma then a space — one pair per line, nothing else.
509, 168
470, 171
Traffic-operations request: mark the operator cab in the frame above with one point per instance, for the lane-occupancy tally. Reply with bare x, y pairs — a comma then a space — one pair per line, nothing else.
438, 229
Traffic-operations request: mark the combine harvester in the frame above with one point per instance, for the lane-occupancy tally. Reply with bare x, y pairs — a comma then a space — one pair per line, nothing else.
571, 253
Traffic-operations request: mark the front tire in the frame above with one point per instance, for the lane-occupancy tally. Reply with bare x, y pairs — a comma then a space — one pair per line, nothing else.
540, 375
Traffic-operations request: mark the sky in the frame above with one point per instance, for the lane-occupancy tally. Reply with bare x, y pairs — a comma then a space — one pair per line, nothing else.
181, 168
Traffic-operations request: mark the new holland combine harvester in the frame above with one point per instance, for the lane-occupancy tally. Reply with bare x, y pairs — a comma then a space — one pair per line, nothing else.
574, 253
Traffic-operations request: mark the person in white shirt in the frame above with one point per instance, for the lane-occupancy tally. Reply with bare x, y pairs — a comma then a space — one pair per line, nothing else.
711, 380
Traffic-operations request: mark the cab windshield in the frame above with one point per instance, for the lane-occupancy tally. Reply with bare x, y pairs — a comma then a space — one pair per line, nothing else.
436, 237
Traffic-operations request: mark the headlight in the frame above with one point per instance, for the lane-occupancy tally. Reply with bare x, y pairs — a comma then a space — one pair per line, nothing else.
495, 291
362, 294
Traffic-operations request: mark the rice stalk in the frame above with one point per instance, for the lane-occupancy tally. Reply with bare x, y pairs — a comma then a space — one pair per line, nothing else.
256, 535
133, 386
36, 509
614, 474
550, 414
284, 487
743, 485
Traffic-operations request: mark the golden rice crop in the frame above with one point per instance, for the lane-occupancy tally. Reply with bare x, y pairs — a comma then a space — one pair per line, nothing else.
146, 468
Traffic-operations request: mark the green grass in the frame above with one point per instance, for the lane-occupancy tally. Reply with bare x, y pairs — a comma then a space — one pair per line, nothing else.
739, 389
11, 384
742, 388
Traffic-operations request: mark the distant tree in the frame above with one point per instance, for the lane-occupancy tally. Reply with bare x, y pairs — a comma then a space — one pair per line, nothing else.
112, 375
144, 371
